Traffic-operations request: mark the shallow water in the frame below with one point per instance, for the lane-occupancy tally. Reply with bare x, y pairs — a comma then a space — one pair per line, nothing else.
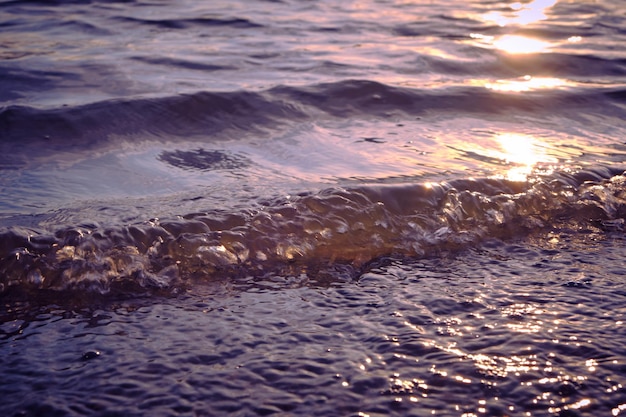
506, 329
283, 207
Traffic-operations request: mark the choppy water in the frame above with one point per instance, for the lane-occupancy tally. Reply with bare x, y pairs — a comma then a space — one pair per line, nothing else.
312, 208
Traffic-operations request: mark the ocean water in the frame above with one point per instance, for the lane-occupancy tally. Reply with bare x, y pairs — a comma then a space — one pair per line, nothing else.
284, 207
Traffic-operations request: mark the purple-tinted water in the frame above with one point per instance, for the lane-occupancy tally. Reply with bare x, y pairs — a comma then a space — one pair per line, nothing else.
328, 208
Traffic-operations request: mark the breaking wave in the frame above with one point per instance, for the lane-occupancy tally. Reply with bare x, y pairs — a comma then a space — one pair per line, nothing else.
306, 234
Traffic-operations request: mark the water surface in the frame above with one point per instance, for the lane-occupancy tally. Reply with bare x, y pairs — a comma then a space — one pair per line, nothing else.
294, 208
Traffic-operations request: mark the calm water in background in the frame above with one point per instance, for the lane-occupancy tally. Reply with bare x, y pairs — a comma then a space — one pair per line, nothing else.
312, 208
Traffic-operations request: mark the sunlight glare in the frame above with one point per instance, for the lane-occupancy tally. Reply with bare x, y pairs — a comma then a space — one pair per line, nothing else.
519, 148
514, 44
526, 83
524, 152
521, 14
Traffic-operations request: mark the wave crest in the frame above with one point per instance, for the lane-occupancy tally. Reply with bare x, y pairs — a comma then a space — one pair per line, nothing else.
305, 233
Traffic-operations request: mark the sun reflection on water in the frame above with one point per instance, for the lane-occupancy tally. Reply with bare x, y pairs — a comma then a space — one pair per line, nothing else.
513, 44
520, 13
519, 153
516, 44
519, 148
523, 151
526, 83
